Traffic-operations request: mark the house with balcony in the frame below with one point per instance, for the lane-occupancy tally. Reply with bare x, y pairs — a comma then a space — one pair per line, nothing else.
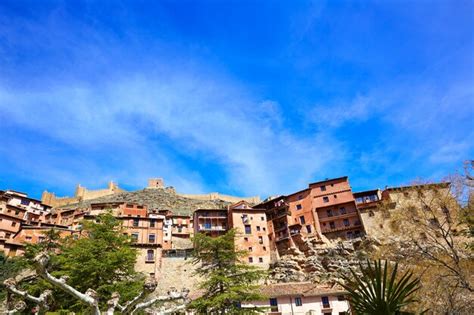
213, 222
35, 211
336, 209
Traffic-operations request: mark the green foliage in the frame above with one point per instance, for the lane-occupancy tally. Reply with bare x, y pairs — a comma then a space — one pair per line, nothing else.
101, 259
9, 267
375, 292
227, 282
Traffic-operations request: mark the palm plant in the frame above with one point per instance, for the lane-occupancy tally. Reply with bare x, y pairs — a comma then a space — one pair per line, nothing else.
374, 291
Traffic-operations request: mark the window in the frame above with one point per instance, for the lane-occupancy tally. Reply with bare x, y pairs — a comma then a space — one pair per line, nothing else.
302, 221
357, 233
323, 188
329, 213
41, 239
134, 237
298, 301
28, 238
248, 229
264, 229
260, 259
308, 228
262, 218
341, 298
332, 225
135, 222
150, 255
342, 210
299, 207
246, 239
335, 196
258, 228
151, 238
346, 222
273, 305
7, 235
371, 213
25, 202
152, 223
17, 212
325, 301
325, 199
13, 223
260, 239
264, 248
250, 259
250, 249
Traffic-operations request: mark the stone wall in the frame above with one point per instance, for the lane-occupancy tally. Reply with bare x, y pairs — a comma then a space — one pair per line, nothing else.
177, 272
81, 193
218, 196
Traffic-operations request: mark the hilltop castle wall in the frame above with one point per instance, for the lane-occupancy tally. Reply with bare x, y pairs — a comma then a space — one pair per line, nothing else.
82, 193
218, 196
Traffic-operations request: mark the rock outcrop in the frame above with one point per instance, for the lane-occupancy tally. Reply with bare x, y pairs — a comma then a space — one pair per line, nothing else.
320, 261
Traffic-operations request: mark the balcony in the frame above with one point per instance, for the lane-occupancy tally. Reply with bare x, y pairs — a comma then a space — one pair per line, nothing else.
279, 212
340, 228
337, 216
217, 215
282, 237
212, 228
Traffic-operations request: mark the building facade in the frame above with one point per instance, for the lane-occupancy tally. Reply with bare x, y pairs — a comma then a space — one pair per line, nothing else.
302, 298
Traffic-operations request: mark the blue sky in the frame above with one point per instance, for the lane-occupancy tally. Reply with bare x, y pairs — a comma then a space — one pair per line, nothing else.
240, 97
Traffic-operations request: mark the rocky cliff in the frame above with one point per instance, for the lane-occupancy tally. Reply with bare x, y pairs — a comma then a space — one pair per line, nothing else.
320, 261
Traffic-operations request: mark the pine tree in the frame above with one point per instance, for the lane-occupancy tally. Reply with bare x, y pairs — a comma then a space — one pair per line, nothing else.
227, 282
102, 258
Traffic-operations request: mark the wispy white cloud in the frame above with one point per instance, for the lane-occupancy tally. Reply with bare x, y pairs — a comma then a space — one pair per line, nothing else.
203, 117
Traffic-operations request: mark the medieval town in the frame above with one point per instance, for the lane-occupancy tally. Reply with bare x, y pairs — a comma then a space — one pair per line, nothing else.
236, 157
306, 240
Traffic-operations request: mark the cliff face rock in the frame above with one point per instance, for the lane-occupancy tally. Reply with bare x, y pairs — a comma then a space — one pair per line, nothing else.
317, 261
156, 198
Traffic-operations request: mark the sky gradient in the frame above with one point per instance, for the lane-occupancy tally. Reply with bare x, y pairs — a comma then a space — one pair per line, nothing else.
240, 97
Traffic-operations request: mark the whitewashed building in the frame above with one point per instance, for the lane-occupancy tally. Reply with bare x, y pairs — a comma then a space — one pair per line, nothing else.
303, 298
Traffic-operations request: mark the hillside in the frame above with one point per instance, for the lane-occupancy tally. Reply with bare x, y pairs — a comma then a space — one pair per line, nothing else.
156, 198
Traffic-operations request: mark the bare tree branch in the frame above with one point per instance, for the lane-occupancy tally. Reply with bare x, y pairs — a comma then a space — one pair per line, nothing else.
89, 298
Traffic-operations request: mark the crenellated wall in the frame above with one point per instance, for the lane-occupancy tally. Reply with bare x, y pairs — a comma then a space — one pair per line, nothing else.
82, 193
218, 196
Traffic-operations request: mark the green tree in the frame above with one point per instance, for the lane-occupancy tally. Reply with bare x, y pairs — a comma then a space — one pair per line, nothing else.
227, 282
102, 258
374, 290
9, 267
